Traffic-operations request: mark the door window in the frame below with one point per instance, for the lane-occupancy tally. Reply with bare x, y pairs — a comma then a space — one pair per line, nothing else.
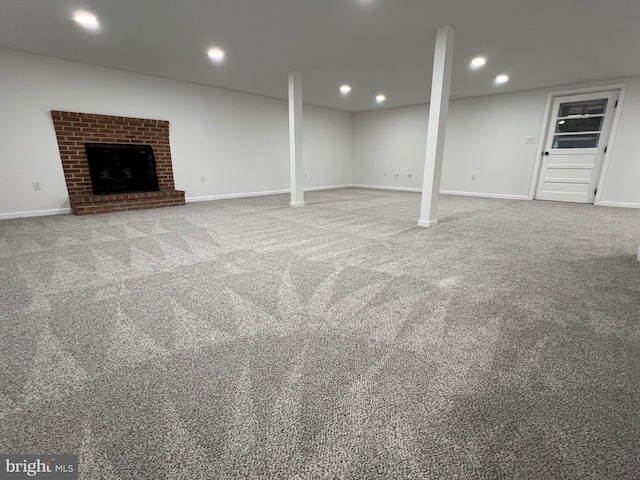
579, 124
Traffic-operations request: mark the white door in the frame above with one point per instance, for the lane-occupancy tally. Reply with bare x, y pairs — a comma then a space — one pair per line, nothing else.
575, 145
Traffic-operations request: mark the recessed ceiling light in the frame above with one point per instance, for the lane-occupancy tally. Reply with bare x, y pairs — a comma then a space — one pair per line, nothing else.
503, 78
345, 89
478, 62
380, 98
86, 19
216, 54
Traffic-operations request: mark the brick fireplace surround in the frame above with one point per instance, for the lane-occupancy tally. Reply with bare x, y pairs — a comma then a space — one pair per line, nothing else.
73, 130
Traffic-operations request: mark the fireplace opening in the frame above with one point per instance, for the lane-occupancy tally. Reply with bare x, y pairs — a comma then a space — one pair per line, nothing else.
121, 168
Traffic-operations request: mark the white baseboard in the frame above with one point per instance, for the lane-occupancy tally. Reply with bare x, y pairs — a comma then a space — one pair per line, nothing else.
64, 211
618, 204
208, 198
356, 185
226, 196
446, 192
326, 187
35, 213
485, 195
384, 187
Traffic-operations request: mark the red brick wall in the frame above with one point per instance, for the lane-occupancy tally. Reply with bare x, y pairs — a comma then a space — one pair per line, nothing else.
74, 129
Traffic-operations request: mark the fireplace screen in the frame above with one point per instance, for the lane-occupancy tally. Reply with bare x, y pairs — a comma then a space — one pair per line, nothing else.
121, 168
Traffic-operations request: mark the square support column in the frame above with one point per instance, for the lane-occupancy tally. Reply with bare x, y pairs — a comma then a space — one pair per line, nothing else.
438, 111
295, 139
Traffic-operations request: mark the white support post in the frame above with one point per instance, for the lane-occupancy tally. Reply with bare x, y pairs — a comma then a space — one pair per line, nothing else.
438, 111
295, 139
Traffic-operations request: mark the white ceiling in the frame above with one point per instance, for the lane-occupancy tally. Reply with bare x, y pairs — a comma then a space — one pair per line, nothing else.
374, 45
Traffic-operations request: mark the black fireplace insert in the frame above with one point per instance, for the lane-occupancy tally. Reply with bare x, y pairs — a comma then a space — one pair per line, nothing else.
121, 168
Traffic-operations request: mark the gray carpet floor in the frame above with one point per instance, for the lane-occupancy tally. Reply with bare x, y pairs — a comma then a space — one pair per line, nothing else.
247, 339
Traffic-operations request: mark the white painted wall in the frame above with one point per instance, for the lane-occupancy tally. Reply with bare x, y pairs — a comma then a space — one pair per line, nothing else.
238, 142
327, 149
622, 183
391, 140
486, 138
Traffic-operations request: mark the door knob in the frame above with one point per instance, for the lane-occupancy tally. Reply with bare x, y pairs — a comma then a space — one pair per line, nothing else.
546, 154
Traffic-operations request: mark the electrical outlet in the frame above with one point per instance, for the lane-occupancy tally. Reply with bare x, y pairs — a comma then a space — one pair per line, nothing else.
530, 140
36, 185
473, 177
202, 179
305, 175
385, 174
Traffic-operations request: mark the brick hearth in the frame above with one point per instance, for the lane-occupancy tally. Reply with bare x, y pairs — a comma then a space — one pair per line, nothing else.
73, 130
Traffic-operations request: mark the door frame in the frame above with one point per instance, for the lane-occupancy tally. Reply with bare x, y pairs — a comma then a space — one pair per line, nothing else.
544, 129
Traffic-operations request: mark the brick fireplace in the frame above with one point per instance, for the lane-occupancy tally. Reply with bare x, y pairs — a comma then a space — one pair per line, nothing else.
73, 130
